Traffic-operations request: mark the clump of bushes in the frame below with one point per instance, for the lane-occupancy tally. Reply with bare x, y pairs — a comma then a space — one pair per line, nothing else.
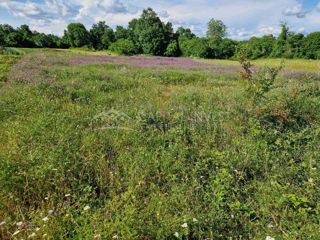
123, 47
9, 51
172, 49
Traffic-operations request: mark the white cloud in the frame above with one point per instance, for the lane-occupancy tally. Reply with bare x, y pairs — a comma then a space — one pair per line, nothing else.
244, 18
164, 14
297, 11
92, 9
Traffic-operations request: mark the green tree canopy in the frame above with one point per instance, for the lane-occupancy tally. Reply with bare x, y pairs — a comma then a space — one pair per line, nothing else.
25, 36
77, 35
101, 35
311, 46
149, 33
121, 33
216, 29
281, 45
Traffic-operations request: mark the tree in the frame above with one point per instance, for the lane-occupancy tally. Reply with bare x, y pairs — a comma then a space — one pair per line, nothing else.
295, 42
149, 33
184, 33
172, 49
101, 36
77, 35
13, 39
64, 41
45, 41
311, 46
257, 47
226, 48
281, 45
25, 36
216, 29
121, 33
2, 37
5, 30
108, 38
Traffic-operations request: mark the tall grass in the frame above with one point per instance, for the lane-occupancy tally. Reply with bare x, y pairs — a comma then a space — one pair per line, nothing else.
118, 152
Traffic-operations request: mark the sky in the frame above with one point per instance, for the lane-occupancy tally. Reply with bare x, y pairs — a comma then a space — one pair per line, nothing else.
244, 18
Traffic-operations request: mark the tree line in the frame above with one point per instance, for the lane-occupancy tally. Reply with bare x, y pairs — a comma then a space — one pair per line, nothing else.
149, 35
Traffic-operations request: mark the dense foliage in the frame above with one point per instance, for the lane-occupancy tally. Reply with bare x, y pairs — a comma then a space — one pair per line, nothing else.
149, 35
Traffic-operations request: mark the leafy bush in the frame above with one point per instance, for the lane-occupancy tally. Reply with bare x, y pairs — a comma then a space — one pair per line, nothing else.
257, 47
172, 49
196, 47
123, 47
10, 51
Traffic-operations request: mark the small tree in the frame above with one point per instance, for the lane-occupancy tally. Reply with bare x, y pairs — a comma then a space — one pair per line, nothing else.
281, 45
216, 29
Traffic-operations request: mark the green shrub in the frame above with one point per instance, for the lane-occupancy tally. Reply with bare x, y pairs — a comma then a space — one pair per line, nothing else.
10, 51
123, 47
172, 49
196, 47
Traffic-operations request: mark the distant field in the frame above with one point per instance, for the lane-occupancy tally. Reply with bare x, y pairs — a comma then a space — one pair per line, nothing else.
292, 64
94, 146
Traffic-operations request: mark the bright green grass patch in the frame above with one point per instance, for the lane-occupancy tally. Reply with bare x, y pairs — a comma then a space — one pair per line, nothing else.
292, 64
6, 61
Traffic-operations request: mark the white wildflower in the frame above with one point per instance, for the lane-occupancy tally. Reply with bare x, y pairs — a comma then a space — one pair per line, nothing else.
176, 234
16, 233
195, 220
115, 237
51, 211
45, 219
97, 236
44, 235
270, 238
67, 195
185, 225
270, 225
32, 235
86, 208
37, 229
314, 169
19, 224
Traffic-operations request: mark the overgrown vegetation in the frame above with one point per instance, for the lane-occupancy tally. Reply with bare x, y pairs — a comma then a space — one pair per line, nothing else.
149, 35
8, 56
114, 151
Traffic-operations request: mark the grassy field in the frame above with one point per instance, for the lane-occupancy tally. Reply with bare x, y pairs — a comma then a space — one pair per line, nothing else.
92, 148
291, 64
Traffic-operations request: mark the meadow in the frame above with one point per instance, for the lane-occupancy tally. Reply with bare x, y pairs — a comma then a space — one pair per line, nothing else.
94, 146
